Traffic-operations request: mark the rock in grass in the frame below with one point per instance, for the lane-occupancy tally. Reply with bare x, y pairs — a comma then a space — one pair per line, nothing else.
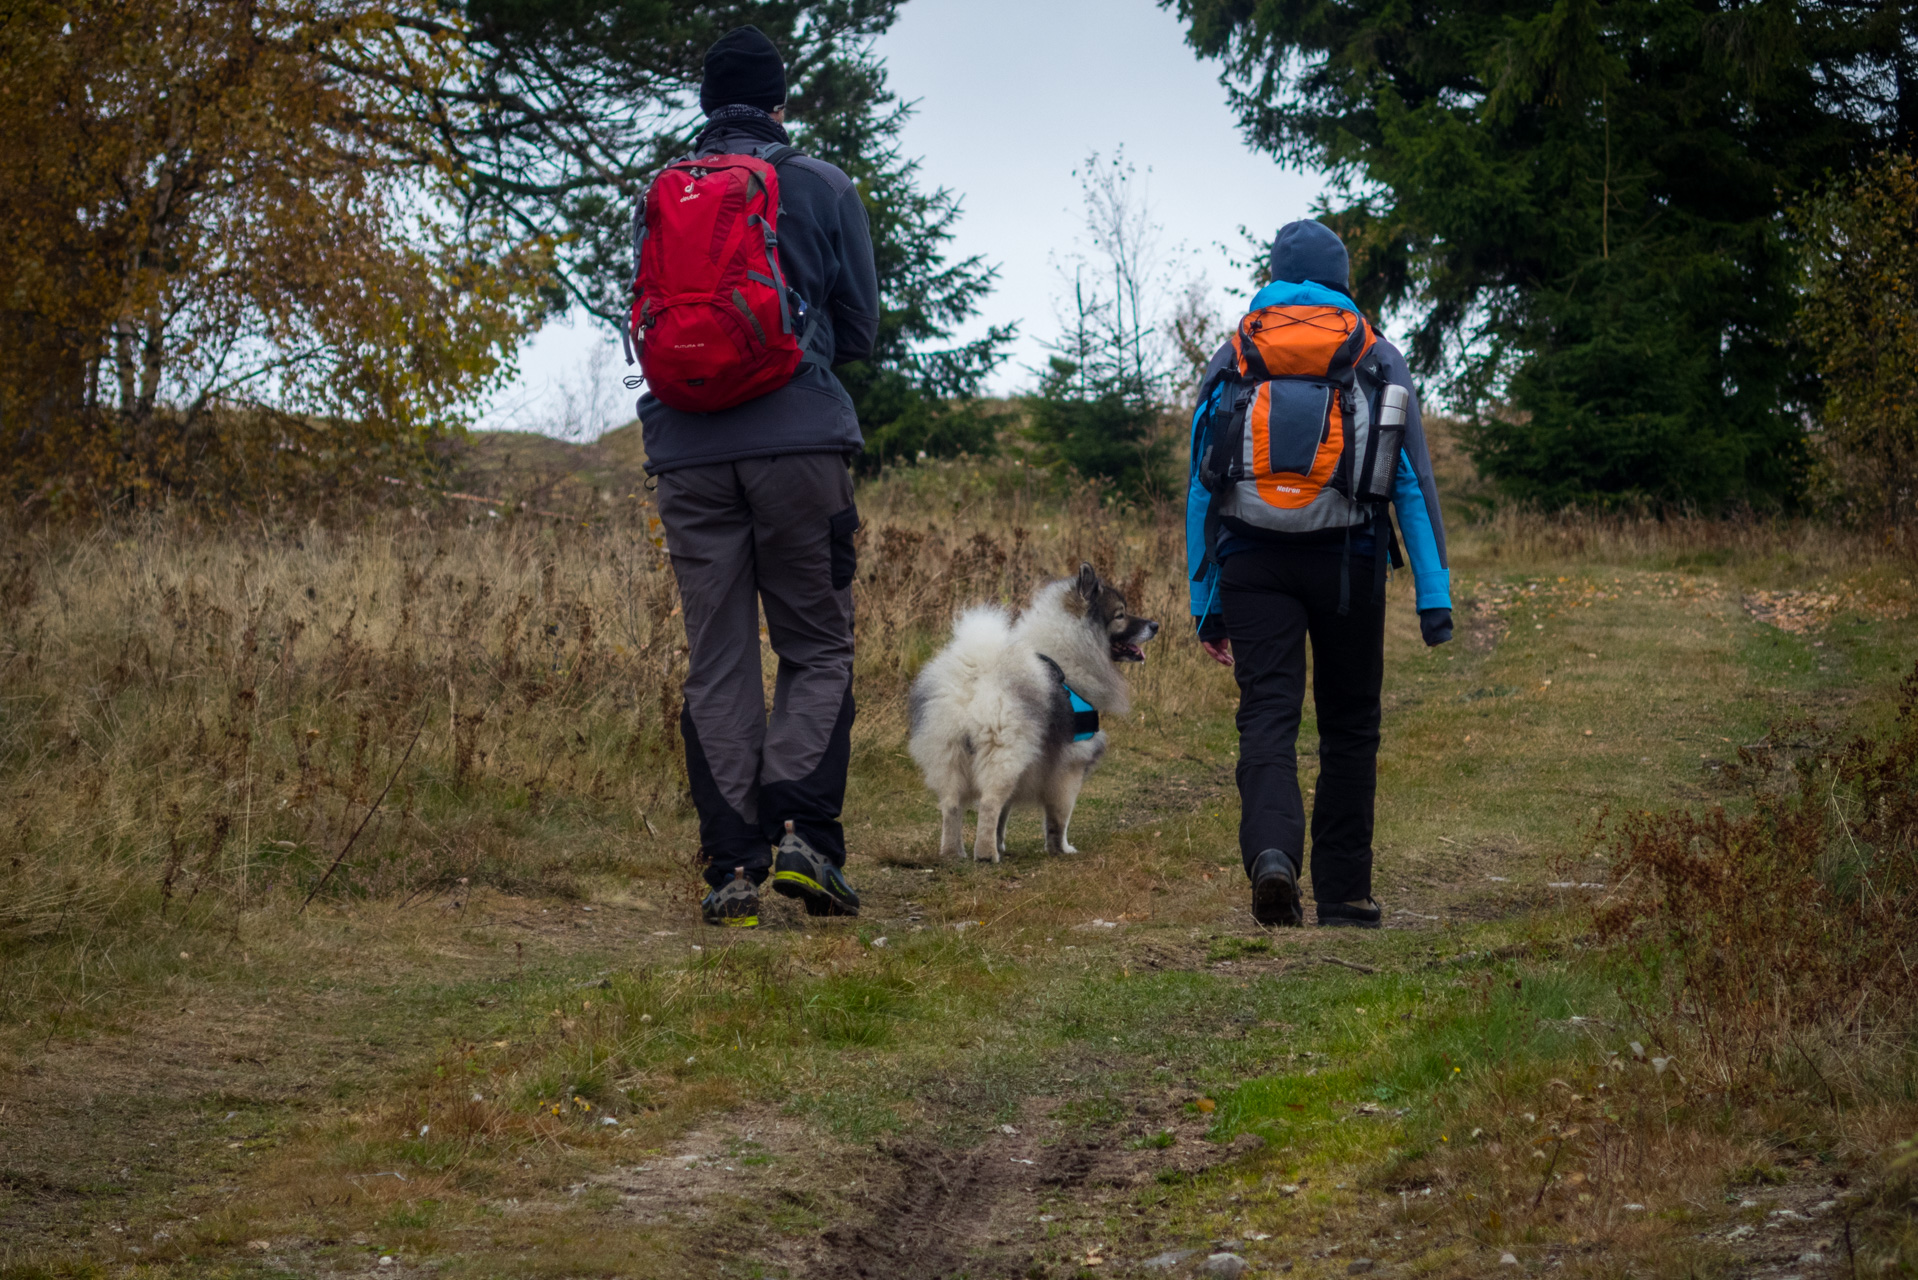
1226, 1266
1360, 1266
1167, 1260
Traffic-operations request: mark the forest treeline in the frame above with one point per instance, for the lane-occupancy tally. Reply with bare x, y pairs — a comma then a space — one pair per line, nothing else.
1622, 229
1661, 253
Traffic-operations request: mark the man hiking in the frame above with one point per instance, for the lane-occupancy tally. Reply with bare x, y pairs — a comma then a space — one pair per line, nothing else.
1307, 430
757, 292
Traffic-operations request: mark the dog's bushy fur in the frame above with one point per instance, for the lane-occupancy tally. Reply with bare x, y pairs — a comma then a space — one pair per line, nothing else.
992, 726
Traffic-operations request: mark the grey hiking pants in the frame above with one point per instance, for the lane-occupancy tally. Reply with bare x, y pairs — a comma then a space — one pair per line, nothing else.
775, 533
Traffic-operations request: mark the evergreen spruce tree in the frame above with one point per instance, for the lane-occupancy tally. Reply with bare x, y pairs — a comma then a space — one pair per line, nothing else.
916, 393
579, 102
1587, 203
1101, 404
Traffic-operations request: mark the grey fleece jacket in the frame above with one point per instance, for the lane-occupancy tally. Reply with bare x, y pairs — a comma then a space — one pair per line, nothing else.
825, 250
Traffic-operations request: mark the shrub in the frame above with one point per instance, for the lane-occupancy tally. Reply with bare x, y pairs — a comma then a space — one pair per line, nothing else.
903, 424
1789, 929
1860, 318
1099, 429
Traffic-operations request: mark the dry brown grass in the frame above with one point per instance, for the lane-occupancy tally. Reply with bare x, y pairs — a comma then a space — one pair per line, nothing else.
1612, 1166
192, 712
200, 718
1785, 934
1492, 533
195, 710
188, 738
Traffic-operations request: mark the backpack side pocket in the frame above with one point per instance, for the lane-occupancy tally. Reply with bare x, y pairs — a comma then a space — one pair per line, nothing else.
1379, 469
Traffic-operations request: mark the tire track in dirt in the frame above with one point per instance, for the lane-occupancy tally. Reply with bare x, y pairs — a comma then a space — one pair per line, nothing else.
977, 1211
774, 1191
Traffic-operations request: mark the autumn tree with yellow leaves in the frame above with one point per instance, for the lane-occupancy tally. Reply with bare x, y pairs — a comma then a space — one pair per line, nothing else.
238, 263
1860, 319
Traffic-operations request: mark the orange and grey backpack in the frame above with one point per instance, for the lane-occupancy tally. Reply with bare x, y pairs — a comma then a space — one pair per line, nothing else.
1292, 447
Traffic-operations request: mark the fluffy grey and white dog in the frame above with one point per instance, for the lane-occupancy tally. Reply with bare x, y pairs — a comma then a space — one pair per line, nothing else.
1007, 713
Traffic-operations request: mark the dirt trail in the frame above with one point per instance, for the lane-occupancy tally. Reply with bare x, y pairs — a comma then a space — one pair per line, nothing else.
162, 1117
145, 1129
907, 1208
167, 1120
165, 1123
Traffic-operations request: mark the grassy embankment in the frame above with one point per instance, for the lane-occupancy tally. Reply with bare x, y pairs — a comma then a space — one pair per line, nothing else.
1043, 1068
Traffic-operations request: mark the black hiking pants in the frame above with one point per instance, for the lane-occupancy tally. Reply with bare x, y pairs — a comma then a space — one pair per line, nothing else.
1274, 599
777, 534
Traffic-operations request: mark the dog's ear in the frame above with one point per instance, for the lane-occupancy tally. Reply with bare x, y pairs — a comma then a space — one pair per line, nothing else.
1088, 581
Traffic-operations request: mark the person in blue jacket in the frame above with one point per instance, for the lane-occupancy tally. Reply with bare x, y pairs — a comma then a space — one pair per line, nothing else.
1257, 600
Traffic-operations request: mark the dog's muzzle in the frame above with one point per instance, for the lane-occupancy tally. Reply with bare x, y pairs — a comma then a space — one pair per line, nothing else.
1129, 648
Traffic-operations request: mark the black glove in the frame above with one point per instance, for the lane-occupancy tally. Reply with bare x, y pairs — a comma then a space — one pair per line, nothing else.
1436, 624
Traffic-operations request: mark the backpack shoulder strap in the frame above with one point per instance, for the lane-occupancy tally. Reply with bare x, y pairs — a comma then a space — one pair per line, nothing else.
1230, 373
1371, 366
776, 153
1226, 375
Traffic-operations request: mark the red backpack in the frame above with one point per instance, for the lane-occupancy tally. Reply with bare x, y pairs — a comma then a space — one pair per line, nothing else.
715, 323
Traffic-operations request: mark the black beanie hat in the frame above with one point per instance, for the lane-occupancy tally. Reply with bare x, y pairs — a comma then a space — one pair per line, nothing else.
743, 67
1308, 251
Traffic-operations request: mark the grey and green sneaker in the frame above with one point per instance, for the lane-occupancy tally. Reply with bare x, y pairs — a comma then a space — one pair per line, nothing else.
734, 905
802, 872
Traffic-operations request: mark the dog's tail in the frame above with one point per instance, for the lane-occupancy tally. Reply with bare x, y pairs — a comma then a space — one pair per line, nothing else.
943, 694
979, 636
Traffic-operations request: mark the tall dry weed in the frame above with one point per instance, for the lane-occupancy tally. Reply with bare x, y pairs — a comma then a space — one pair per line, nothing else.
1516, 535
1787, 936
191, 711
199, 718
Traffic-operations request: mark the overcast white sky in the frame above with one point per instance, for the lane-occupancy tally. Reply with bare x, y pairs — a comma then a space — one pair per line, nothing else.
1012, 95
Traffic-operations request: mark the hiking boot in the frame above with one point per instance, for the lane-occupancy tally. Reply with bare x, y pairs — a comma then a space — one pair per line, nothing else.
734, 905
1275, 890
1350, 915
802, 872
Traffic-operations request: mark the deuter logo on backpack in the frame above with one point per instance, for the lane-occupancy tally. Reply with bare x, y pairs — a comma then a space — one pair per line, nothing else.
1292, 446
714, 321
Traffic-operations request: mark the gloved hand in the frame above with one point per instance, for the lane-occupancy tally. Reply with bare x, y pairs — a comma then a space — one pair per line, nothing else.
1436, 625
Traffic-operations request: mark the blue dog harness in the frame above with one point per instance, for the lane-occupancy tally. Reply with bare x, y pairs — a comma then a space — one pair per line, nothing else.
1085, 716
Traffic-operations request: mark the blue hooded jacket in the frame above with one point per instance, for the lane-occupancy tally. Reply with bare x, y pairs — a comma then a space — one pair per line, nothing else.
1309, 267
